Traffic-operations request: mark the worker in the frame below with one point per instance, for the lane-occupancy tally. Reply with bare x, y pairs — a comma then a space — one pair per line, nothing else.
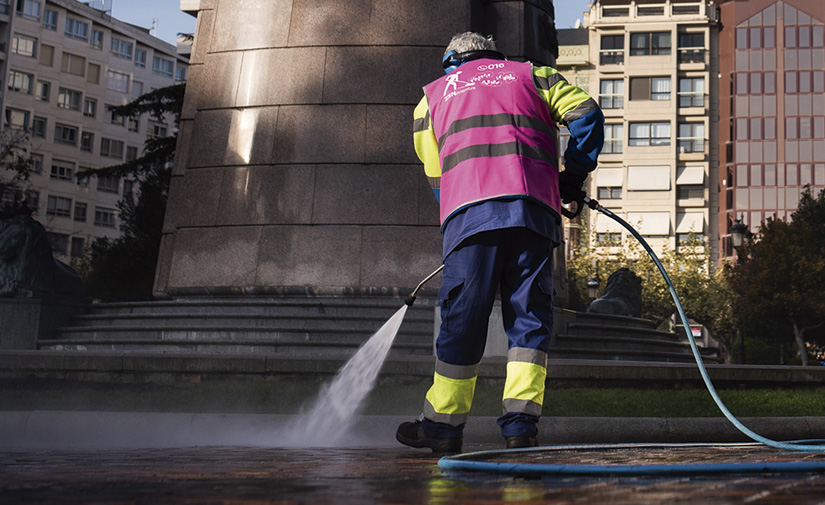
486, 133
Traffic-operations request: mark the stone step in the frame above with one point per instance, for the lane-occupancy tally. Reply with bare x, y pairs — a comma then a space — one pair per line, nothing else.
613, 342
604, 330
613, 320
564, 353
326, 307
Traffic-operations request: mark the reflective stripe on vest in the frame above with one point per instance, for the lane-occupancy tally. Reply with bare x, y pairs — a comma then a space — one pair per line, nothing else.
496, 137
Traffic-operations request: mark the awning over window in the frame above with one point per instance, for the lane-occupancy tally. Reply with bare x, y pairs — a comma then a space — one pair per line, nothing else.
690, 175
648, 178
609, 177
690, 222
650, 223
605, 224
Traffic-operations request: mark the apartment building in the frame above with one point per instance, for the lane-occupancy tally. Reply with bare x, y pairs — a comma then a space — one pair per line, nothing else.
655, 72
65, 63
772, 106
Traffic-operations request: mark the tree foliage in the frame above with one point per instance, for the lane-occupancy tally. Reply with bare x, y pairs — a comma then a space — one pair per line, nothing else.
124, 268
15, 162
705, 295
782, 275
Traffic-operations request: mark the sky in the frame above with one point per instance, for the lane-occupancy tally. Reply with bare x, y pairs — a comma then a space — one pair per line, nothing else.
172, 21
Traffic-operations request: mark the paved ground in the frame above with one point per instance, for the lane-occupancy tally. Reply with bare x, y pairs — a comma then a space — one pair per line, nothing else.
362, 476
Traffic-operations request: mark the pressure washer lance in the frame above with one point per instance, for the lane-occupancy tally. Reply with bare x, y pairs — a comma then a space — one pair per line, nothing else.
411, 299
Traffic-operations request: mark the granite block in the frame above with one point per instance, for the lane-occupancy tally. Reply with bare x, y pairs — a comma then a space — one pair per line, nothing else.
167, 247
320, 134
428, 210
217, 84
429, 66
210, 137
371, 75
203, 36
183, 146
190, 97
400, 256
266, 195
418, 22
310, 256
329, 22
281, 76
193, 199
251, 25
365, 194
233, 137
215, 257
505, 22
389, 134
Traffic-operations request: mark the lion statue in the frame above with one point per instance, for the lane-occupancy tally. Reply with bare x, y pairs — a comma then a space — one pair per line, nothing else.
27, 267
622, 296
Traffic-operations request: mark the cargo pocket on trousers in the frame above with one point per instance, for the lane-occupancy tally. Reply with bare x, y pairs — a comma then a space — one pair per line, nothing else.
448, 293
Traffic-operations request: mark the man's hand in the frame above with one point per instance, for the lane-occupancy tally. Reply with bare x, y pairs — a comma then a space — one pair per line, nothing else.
570, 186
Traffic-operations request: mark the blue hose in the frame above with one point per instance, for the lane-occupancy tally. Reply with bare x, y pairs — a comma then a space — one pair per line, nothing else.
463, 462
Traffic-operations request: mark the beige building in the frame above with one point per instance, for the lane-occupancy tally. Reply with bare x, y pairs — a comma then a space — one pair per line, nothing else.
655, 72
64, 64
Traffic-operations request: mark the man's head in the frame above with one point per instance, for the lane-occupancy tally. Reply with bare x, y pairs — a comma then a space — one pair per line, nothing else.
467, 46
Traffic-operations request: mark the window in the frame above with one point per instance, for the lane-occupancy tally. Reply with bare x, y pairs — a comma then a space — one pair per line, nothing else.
33, 200
73, 64
23, 45
87, 141
122, 48
29, 9
58, 242
613, 138
80, 212
649, 134
691, 138
108, 183
158, 130
650, 88
69, 99
117, 81
90, 107
131, 153
611, 94
64, 134
43, 91
162, 66
96, 42
609, 193
137, 89
692, 92
83, 181
62, 170
690, 192
691, 48
612, 50
19, 81
77, 247
140, 58
180, 73
17, 119
655, 43
608, 239
77, 29
36, 163
59, 206
94, 74
50, 19
104, 217
46, 55
111, 148
116, 118
133, 124
39, 126
128, 187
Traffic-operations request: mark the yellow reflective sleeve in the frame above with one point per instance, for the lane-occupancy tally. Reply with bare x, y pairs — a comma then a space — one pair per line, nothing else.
426, 146
525, 381
561, 97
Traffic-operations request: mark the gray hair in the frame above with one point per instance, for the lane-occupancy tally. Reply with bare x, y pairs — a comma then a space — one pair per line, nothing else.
470, 41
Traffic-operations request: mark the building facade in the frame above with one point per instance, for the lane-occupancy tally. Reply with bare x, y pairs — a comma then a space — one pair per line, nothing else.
64, 65
772, 105
655, 72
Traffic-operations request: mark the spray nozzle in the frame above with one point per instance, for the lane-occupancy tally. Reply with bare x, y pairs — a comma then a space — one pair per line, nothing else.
411, 298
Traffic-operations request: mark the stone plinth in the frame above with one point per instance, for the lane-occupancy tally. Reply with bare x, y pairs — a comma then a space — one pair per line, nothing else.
295, 164
25, 320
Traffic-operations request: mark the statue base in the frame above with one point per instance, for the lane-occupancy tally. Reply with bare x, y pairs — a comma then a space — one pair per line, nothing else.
25, 320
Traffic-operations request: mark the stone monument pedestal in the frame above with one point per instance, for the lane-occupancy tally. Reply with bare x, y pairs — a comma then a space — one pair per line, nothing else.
25, 320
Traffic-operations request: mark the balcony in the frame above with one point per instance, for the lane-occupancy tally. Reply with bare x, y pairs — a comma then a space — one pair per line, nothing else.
611, 57
692, 100
692, 55
609, 14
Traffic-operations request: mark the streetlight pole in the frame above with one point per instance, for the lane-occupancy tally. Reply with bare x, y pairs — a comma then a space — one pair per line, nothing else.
739, 233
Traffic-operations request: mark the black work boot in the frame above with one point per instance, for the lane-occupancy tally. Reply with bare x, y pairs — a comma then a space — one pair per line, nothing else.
412, 434
520, 442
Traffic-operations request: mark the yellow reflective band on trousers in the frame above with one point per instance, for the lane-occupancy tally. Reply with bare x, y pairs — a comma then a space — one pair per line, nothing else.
524, 387
449, 400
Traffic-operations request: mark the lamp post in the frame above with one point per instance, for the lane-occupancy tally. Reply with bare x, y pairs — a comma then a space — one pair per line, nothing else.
593, 287
739, 233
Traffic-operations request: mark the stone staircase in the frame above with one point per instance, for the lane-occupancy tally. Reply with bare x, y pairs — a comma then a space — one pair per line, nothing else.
334, 327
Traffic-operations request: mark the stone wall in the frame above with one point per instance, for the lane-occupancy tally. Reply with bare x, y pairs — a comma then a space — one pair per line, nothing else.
294, 164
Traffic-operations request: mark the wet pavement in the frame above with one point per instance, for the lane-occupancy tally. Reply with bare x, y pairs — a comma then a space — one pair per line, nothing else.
363, 476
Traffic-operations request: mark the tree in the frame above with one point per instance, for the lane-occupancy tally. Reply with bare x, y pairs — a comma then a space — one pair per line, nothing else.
15, 160
782, 275
705, 295
124, 268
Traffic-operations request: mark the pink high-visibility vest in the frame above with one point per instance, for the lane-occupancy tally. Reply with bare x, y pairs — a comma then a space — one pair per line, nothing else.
496, 138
